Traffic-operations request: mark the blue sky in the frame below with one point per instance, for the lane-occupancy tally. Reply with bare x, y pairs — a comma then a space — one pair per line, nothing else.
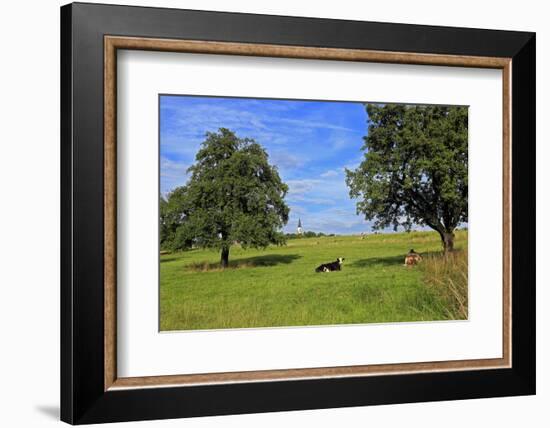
311, 142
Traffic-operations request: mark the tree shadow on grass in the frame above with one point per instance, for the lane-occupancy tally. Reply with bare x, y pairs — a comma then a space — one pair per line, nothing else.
258, 261
169, 258
378, 261
387, 261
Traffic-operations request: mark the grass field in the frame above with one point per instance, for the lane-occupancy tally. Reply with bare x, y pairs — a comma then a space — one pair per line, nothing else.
278, 286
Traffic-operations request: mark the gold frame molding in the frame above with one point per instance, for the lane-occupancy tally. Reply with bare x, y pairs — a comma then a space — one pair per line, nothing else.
113, 43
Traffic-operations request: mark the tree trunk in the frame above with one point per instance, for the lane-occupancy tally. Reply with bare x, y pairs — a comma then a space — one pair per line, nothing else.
448, 241
224, 262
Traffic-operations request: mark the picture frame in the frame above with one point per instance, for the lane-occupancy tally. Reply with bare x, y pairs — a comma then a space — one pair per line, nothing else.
91, 391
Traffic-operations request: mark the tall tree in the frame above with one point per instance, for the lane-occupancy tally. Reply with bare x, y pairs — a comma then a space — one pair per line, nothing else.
233, 195
415, 168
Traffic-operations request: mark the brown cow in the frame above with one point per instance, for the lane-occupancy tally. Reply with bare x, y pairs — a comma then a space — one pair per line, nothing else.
412, 258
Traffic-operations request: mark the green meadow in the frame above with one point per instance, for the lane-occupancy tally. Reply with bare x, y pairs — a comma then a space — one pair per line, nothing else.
278, 286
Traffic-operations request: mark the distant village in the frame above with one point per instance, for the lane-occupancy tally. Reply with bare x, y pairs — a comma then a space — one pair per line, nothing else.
301, 233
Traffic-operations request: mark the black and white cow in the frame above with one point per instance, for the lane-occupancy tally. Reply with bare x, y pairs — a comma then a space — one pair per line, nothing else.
331, 267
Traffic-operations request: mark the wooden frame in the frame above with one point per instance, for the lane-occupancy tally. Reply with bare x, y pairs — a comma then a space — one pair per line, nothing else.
113, 43
513, 53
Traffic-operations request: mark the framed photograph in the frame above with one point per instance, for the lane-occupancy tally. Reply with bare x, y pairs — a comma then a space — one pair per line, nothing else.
265, 213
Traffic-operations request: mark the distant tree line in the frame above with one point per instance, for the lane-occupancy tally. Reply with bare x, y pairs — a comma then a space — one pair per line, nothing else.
308, 234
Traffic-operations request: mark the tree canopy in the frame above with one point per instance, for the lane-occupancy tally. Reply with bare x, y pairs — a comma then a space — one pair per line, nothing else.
233, 195
415, 168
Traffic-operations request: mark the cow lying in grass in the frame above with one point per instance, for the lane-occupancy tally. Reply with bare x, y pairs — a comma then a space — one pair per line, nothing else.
331, 267
412, 258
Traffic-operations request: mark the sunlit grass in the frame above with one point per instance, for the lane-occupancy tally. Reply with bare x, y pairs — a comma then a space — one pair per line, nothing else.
278, 286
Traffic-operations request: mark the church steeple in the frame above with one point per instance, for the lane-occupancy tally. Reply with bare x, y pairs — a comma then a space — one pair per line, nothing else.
299, 228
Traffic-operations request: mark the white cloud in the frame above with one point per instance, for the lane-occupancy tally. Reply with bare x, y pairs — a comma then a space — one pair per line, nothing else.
172, 174
306, 123
330, 173
284, 160
310, 200
301, 187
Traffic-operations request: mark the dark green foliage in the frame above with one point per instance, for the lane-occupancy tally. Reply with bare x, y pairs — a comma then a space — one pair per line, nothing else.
233, 195
172, 221
415, 168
